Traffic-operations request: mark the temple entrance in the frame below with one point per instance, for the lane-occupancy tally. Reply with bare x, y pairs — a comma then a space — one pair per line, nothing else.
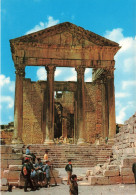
64, 109
58, 120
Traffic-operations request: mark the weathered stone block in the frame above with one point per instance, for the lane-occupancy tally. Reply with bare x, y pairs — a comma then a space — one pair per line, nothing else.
11, 175
5, 174
14, 162
128, 162
4, 182
128, 179
6, 149
126, 171
115, 180
111, 172
15, 167
57, 180
4, 164
3, 188
100, 180
112, 167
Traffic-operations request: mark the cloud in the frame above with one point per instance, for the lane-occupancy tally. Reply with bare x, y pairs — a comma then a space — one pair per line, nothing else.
58, 72
8, 100
51, 22
115, 35
5, 82
129, 83
122, 95
73, 75
121, 115
41, 74
124, 110
125, 74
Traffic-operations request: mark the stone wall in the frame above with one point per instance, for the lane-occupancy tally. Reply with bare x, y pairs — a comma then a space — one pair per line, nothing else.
33, 100
93, 112
125, 140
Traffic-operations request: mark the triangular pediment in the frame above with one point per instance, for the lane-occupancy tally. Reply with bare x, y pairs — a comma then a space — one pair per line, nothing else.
66, 34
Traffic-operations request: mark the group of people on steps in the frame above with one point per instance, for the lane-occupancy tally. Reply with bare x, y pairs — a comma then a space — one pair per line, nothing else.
37, 173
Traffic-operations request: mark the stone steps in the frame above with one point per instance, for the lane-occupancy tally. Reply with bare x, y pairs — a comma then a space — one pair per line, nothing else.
81, 156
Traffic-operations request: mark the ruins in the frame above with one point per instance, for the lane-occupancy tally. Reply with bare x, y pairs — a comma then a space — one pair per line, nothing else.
86, 109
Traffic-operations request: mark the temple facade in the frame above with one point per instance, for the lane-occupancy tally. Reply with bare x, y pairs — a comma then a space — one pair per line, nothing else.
46, 110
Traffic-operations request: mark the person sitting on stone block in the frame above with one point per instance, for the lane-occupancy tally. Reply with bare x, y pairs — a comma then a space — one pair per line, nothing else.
46, 170
33, 175
134, 170
29, 153
73, 188
68, 168
38, 167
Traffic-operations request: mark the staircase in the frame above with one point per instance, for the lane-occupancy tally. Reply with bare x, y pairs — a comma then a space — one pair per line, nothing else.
81, 156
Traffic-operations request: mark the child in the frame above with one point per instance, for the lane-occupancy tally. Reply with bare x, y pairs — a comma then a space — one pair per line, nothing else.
46, 170
68, 168
46, 155
73, 188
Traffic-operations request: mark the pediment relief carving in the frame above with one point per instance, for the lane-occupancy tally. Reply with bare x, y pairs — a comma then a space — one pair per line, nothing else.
66, 39
66, 34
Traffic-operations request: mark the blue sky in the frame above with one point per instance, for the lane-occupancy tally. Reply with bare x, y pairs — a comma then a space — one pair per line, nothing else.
114, 19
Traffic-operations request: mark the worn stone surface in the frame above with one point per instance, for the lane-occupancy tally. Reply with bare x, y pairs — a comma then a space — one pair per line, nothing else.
114, 172
115, 180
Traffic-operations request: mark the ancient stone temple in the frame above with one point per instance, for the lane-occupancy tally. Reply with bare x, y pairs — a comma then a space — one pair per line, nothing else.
82, 111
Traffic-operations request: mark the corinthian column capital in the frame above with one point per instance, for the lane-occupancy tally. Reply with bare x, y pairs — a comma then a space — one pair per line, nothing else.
50, 69
20, 71
80, 70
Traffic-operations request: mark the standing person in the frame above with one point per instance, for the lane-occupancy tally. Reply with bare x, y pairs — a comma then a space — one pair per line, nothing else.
69, 170
46, 170
46, 155
26, 172
31, 154
134, 170
73, 188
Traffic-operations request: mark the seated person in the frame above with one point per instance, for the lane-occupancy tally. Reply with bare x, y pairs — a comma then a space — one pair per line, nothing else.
31, 154
38, 167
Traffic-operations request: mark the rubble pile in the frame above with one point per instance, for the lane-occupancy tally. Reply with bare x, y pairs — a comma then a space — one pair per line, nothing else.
118, 168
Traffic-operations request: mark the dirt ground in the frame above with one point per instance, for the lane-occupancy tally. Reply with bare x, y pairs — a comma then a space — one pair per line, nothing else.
84, 189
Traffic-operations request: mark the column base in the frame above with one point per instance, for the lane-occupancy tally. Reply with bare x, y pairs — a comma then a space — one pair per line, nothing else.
80, 141
17, 141
48, 142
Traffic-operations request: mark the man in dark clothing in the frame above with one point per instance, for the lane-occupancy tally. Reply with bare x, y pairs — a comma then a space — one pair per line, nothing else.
68, 168
73, 189
26, 172
134, 170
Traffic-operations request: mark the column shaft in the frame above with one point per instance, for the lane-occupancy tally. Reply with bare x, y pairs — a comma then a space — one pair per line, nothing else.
18, 108
50, 105
80, 104
111, 103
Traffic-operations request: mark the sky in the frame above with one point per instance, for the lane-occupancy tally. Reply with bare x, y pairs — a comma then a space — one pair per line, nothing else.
114, 19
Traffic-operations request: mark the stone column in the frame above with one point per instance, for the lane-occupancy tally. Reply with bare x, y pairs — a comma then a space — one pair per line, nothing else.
105, 108
18, 107
50, 106
111, 105
80, 104
64, 127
